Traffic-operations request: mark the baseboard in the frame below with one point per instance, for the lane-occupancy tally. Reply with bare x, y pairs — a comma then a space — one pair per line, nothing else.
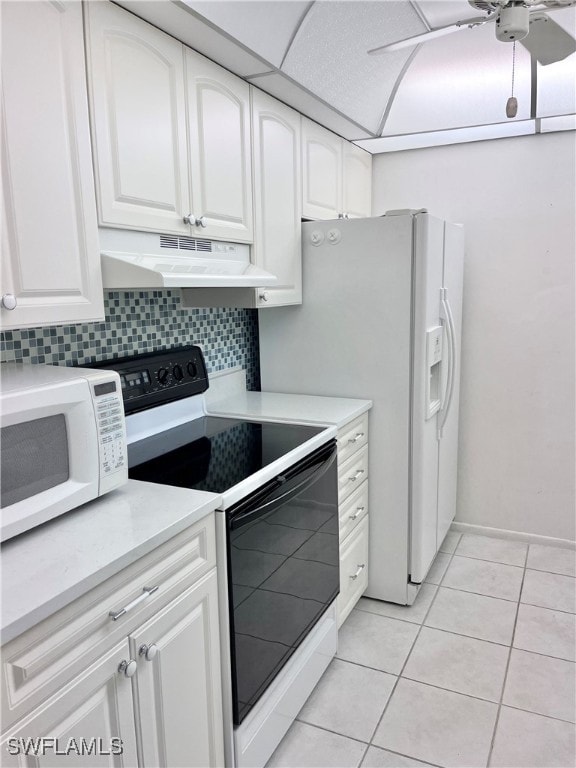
502, 533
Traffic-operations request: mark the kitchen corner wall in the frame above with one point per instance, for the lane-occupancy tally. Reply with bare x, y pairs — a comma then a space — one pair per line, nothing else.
516, 199
144, 321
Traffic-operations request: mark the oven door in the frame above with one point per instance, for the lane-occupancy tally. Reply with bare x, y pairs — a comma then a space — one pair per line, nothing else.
283, 570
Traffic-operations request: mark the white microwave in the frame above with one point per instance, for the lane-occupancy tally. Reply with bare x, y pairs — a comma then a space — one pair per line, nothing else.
63, 441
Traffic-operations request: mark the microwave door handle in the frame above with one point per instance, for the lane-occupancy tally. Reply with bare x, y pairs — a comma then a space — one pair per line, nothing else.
274, 503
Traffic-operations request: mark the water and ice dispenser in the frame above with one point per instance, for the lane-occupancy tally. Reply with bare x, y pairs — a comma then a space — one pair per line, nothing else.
434, 344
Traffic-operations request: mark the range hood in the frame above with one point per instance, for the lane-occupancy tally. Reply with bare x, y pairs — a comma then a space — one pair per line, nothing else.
148, 260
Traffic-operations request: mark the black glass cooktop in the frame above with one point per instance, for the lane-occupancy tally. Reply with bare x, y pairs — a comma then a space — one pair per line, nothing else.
213, 453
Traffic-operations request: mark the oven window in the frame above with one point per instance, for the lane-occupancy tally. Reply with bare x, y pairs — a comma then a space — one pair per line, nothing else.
34, 458
283, 575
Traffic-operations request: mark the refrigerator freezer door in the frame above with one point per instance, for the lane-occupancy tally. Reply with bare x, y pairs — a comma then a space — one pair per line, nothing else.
448, 458
428, 268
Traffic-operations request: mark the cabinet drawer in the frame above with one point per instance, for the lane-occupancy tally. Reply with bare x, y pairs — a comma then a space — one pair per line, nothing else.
353, 569
39, 662
352, 473
353, 510
352, 437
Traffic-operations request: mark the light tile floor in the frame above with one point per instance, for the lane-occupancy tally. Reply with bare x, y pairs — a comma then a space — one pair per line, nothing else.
479, 672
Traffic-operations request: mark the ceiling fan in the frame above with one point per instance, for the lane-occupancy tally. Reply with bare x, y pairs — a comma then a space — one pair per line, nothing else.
522, 20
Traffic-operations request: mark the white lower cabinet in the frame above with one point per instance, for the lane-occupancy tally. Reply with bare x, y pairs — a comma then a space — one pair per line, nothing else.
148, 696
353, 569
180, 722
353, 513
94, 713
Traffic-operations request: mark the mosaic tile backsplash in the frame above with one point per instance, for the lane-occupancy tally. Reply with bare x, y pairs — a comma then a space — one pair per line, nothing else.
144, 321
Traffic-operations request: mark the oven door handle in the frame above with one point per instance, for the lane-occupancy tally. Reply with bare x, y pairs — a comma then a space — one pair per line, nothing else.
269, 506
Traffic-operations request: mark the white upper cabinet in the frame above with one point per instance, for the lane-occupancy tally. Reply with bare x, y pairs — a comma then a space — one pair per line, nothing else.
337, 175
321, 172
50, 250
138, 111
357, 187
219, 150
278, 198
171, 130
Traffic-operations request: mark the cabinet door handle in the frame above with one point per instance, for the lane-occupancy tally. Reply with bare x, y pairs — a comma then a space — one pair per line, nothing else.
358, 572
9, 301
355, 477
357, 437
148, 651
201, 222
190, 219
146, 592
358, 512
128, 667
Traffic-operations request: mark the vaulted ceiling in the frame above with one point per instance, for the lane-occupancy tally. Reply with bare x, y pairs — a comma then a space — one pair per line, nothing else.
313, 56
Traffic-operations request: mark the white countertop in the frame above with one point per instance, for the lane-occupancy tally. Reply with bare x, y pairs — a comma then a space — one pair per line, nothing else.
302, 409
45, 569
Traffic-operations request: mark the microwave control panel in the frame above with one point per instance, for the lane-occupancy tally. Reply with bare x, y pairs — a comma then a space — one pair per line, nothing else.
111, 426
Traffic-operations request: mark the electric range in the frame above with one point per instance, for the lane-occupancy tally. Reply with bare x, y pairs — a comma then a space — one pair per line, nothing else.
277, 536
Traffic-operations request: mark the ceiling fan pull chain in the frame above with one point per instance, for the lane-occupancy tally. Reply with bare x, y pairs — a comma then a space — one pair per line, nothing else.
512, 103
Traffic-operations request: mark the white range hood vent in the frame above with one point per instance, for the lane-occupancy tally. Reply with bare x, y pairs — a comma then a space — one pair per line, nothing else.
148, 260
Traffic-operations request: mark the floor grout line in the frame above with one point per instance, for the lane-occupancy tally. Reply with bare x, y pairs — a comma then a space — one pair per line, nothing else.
422, 623
493, 740
539, 714
406, 661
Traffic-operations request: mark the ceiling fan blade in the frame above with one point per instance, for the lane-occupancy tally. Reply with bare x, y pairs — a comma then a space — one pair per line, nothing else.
547, 41
430, 35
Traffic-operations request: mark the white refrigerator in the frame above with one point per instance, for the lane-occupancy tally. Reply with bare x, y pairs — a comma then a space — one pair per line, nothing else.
381, 320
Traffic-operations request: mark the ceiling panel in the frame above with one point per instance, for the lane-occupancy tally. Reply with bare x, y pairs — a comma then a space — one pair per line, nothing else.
291, 93
329, 54
264, 26
463, 79
557, 88
440, 13
179, 20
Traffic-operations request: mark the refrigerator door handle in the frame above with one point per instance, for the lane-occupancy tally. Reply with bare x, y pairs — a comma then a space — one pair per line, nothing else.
447, 402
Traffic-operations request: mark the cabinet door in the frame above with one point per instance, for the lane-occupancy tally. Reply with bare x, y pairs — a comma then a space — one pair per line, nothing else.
178, 690
353, 570
357, 181
278, 198
321, 171
219, 146
136, 79
50, 250
94, 715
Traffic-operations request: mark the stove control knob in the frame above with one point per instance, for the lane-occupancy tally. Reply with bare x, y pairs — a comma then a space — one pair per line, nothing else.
178, 373
162, 375
192, 370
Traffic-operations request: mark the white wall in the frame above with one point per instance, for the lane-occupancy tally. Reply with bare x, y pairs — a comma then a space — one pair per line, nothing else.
516, 198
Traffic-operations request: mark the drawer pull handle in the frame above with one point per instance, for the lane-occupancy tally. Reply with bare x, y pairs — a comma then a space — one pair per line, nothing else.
358, 436
358, 512
355, 477
358, 572
146, 592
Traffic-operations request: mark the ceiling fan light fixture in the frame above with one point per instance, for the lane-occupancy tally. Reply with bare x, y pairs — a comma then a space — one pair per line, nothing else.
513, 23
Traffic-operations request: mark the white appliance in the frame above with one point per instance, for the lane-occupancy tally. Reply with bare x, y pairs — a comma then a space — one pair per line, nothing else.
381, 319
276, 538
63, 441
133, 259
